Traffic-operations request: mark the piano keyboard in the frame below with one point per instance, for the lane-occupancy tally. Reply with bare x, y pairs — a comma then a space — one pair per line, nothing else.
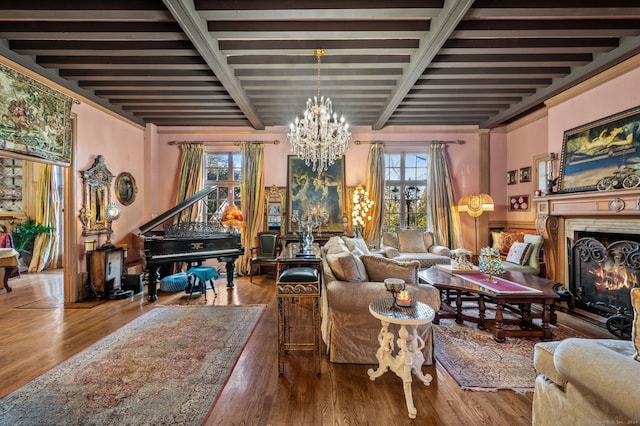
211, 253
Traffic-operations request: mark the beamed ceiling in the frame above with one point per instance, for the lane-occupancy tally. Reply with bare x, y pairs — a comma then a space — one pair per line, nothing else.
251, 63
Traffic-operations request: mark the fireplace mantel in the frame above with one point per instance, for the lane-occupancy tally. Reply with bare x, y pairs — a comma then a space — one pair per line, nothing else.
619, 206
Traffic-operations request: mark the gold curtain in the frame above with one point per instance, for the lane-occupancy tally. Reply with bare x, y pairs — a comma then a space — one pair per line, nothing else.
46, 253
251, 198
190, 180
375, 187
442, 215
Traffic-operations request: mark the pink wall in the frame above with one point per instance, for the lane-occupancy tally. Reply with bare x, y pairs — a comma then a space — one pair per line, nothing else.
611, 97
122, 145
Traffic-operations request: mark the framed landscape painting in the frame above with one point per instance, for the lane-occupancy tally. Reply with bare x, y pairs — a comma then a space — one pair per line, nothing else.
319, 189
600, 149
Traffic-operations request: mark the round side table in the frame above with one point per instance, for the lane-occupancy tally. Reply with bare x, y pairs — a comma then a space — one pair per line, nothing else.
409, 357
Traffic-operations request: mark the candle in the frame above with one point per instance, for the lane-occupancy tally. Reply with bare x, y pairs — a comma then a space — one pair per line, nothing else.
404, 298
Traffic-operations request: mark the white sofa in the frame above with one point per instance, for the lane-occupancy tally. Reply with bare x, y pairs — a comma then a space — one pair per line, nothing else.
589, 381
351, 280
414, 244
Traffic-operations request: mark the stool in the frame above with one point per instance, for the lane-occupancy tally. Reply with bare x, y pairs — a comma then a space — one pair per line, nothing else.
293, 283
199, 276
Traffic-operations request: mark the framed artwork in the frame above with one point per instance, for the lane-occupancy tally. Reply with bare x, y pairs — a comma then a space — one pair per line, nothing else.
36, 119
602, 148
319, 189
518, 203
274, 209
512, 177
525, 174
126, 188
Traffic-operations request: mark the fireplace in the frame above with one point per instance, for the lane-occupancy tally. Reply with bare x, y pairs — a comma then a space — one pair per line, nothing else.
603, 267
591, 242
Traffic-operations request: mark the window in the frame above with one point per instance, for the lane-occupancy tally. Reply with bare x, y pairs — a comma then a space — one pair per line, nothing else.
224, 171
405, 203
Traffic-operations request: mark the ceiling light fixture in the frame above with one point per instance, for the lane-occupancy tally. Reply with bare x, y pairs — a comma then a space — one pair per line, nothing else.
319, 138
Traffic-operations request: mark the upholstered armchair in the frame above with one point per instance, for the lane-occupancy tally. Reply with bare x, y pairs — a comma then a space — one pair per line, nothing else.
265, 252
589, 381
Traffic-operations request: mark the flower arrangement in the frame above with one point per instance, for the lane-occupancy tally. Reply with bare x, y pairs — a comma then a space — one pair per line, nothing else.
490, 263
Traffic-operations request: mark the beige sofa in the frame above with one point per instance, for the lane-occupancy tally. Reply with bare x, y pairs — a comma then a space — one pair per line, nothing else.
350, 282
589, 381
414, 244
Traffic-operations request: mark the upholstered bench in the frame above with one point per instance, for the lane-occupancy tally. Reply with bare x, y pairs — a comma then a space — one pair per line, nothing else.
199, 276
293, 283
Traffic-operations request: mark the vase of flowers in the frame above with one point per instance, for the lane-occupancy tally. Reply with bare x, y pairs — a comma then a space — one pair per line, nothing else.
490, 263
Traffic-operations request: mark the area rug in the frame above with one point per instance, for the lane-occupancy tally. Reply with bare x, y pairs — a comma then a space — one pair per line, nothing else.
477, 362
165, 367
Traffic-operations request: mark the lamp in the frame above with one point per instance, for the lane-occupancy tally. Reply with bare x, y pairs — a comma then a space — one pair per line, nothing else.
111, 213
475, 205
232, 218
319, 137
361, 206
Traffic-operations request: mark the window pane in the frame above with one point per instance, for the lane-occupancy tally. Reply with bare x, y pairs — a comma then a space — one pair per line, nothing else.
392, 166
224, 171
405, 196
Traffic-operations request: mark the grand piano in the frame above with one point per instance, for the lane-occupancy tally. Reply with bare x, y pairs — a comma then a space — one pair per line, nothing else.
189, 242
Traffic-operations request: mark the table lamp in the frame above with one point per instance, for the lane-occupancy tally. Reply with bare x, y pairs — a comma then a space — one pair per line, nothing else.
232, 218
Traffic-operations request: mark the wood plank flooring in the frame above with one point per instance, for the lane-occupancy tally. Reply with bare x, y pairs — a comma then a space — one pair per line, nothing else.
37, 336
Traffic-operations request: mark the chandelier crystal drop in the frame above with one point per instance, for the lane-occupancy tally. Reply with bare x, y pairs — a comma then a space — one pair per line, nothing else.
319, 138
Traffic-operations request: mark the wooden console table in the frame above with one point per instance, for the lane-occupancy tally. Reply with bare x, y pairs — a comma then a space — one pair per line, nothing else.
542, 291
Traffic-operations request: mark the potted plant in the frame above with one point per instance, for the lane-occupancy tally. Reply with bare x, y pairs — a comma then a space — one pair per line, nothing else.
24, 235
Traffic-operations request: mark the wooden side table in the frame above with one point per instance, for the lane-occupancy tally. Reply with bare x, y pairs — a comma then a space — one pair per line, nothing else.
409, 357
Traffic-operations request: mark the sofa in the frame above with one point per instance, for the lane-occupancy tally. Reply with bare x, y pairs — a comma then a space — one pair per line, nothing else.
520, 250
352, 278
589, 381
414, 244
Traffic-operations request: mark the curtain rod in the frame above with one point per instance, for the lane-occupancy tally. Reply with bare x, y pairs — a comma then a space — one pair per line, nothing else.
412, 143
223, 143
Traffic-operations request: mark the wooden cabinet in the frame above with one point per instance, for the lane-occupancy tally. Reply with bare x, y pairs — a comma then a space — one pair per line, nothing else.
105, 268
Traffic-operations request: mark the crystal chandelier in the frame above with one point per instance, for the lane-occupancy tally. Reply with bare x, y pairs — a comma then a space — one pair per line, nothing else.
319, 137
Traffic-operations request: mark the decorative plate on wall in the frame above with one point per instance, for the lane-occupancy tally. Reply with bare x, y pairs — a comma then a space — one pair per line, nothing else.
518, 203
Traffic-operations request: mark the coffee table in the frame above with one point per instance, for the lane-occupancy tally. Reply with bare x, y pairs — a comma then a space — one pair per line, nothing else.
514, 292
409, 358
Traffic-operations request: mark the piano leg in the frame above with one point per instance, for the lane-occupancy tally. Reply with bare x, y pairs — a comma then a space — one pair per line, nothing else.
231, 266
152, 278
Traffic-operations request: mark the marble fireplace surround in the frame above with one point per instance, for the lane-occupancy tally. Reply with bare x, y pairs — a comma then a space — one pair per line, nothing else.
560, 215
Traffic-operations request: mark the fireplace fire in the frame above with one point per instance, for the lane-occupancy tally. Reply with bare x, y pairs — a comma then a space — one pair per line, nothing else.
602, 270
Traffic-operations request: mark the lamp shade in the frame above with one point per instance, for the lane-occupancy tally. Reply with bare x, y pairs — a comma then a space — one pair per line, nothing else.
476, 204
232, 216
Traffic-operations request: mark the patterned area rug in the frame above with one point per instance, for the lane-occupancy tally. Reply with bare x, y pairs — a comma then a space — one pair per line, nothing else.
165, 367
477, 362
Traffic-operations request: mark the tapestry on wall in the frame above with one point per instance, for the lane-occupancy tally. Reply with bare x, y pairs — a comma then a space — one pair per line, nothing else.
35, 120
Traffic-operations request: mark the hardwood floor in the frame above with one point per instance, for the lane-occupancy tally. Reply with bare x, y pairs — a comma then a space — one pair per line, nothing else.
39, 333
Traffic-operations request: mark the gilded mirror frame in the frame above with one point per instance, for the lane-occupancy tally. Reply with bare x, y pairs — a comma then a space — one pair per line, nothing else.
275, 210
96, 183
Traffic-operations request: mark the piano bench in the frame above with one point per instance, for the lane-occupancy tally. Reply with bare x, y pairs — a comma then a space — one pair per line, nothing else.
199, 276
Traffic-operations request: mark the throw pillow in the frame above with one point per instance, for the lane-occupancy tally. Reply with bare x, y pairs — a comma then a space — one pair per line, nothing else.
391, 252
428, 240
378, 268
389, 239
356, 243
497, 240
635, 331
347, 267
519, 253
508, 238
411, 241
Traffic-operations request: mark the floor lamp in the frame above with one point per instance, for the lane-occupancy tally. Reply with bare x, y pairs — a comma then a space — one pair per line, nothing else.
475, 205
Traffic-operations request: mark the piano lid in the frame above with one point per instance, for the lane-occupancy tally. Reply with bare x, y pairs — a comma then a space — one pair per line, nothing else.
161, 218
